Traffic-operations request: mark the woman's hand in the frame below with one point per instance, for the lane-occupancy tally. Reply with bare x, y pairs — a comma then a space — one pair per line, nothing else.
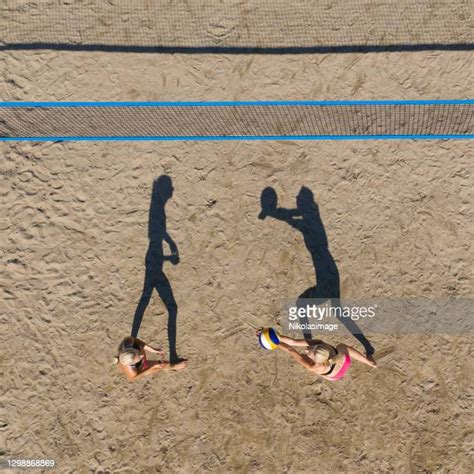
174, 259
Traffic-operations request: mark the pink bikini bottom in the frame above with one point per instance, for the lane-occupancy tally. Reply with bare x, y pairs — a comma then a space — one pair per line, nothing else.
345, 367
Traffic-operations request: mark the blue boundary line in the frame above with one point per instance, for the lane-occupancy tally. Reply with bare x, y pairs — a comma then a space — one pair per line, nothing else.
238, 103
243, 138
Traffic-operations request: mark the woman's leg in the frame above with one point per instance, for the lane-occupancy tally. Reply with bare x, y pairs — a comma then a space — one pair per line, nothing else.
153, 367
356, 355
178, 366
163, 288
161, 366
143, 303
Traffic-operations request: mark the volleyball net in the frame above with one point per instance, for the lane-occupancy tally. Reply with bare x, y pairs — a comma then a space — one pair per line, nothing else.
235, 120
236, 25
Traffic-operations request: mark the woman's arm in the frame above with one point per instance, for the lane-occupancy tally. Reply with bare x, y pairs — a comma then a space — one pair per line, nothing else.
299, 342
153, 350
306, 362
148, 348
290, 216
293, 342
173, 247
174, 257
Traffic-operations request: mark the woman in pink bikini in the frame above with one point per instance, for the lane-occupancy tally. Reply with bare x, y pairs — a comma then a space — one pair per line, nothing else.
320, 358
132, 361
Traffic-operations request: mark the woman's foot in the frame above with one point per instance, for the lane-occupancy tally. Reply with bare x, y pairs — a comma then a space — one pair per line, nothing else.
179, 366
372, 362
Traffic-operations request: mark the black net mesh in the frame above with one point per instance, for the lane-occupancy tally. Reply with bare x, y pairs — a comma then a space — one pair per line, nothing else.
235, 23
237, 120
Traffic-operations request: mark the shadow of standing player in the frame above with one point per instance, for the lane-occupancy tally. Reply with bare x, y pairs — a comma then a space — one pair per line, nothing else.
306, 219
155, 258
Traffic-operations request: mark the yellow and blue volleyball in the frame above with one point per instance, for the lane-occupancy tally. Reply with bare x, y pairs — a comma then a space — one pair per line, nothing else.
268, 339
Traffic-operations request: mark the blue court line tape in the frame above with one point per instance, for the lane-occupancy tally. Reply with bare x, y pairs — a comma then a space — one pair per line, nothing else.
239, 103
243, 138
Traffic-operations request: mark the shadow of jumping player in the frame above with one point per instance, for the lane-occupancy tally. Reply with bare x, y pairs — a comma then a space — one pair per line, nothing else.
306, 219
155, 258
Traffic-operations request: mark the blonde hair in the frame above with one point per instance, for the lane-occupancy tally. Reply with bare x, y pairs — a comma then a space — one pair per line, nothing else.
126, 353
321, 354
127, 357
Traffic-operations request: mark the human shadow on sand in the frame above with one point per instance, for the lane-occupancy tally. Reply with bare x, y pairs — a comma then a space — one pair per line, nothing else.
306, 219
155, 277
